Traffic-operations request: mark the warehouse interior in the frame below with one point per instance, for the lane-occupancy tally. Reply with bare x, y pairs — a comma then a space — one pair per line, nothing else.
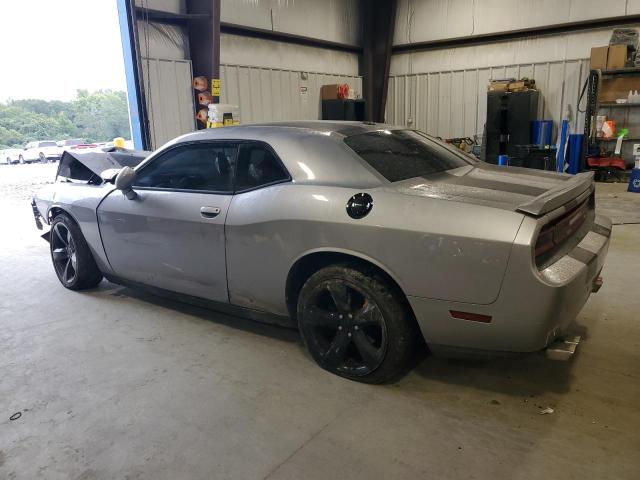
117, 382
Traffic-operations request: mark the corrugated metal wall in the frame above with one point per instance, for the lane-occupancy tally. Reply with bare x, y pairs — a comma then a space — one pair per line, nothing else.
169, 98
454, 103
425, 20
335, 20
268, 94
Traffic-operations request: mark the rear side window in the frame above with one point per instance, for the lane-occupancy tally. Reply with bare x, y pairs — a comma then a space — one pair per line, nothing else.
198, 167
257, 167
402, 154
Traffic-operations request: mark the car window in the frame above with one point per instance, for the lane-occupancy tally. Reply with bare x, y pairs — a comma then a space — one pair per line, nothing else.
401, 154
203, 167
47, 144
258, 166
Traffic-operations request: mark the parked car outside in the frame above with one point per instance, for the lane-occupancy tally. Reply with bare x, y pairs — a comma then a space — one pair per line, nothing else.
371, 239
40, 151
69, 144
10, 156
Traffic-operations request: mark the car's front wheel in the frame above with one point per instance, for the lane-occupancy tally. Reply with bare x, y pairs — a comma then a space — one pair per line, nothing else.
355, 324
72, 259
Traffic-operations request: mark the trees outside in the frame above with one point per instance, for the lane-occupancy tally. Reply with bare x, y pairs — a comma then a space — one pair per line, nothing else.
95, 117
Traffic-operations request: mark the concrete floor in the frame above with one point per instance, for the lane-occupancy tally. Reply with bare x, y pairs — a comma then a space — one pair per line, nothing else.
116, 384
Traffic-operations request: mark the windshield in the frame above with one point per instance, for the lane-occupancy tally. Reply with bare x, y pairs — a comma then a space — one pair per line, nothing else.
401, 154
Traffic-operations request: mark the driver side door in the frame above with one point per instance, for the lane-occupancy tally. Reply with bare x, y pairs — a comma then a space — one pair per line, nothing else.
172, 235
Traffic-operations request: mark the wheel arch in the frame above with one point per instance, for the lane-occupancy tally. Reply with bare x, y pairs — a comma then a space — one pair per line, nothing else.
56, 210
312, 261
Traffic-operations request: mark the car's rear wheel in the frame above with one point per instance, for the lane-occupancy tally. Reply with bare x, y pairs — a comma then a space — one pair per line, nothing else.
355, 324
72, 259
21, 159
42, 158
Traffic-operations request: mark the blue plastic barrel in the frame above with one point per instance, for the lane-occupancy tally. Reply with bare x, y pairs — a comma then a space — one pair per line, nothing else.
574, 152
503, 160
541, 132
634, 181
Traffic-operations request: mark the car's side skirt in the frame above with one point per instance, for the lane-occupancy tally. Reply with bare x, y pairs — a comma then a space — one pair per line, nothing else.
228, 309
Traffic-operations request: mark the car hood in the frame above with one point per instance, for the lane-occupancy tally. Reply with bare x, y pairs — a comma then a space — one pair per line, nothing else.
97, 162
509, 188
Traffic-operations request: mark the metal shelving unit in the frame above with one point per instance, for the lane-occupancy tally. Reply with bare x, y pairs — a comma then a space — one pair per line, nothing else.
593, 104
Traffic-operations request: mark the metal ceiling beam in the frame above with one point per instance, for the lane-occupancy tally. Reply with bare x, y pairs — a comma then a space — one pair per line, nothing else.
169, 18
522, 33
264, 34
377, 21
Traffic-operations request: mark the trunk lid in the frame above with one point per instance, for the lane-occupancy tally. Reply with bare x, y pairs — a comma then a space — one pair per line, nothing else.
533, 192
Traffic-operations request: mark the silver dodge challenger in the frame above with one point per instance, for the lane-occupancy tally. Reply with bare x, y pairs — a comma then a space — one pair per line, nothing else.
372, 240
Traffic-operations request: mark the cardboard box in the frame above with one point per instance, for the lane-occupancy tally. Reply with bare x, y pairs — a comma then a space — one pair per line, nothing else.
498, 86
617, 57
335, 91
599, 58
329, 92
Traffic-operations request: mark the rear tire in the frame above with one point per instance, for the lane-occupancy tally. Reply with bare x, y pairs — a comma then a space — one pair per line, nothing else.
356, 325
72, 259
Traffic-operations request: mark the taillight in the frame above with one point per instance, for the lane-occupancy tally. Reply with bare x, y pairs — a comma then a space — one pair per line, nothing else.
556, 232
545, 242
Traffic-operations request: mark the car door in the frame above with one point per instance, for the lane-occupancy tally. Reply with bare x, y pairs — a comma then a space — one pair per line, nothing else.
27, 154
257, 232
172, 235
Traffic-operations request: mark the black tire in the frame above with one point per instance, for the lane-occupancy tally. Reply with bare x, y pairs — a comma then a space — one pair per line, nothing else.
356, 325
71, 257
21, 160
42, 158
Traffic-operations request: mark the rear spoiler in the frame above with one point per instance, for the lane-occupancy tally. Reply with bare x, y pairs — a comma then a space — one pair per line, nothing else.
556, 197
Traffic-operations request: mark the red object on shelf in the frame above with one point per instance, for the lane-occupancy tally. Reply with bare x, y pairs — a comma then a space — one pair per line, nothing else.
606, 162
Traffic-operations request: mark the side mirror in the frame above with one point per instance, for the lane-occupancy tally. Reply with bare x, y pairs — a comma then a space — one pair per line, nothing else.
109, 175
124, 181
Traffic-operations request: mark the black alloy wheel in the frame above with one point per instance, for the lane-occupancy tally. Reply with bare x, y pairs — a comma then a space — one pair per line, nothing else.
354, 325
63, 254
72, 259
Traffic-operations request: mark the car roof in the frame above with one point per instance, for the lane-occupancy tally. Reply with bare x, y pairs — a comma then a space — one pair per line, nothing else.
341, 128
332, 126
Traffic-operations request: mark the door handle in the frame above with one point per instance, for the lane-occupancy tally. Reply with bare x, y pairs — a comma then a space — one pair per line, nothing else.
209, 212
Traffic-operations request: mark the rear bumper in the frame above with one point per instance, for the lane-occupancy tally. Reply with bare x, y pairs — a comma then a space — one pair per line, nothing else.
534, 308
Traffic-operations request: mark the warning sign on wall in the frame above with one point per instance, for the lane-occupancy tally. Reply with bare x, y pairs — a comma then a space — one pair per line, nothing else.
215, 87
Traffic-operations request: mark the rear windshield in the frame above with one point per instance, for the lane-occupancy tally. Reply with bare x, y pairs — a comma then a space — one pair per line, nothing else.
76, 141
401, 154
48, 144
